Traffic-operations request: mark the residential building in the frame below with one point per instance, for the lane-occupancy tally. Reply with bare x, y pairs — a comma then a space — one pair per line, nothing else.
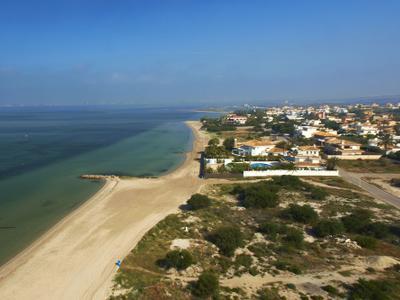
254, 148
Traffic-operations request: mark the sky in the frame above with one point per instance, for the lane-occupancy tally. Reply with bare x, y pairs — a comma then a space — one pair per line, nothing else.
189, 52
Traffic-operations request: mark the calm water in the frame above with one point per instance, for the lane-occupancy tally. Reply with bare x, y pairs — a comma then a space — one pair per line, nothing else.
44, 150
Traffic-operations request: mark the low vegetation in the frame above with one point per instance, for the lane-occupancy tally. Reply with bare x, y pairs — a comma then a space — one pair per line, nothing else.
198, 201
274, 236
227, 239
178, 259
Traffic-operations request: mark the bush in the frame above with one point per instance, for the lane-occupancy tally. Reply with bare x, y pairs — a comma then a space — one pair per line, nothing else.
178, 259
288, 181
268, 294
302, 214
395, 181
285, 266
366, 242
272, 229
294, 238
238, 167
331, 290
328, 227
377, 230
318, 193
198, 201
373, 290
227, 239
206, 285
357, 220
244, 260
259, 198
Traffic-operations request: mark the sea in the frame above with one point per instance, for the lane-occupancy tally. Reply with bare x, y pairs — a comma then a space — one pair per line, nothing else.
44, 150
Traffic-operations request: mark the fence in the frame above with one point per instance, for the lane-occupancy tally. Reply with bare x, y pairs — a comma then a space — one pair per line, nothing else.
268, 173
355, 157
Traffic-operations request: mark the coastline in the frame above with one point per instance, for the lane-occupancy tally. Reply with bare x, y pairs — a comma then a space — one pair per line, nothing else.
75, 258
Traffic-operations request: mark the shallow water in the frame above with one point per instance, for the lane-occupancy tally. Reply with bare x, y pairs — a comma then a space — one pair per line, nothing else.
44, 150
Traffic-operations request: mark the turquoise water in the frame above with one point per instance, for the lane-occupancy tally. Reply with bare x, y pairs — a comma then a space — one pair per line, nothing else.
43, 152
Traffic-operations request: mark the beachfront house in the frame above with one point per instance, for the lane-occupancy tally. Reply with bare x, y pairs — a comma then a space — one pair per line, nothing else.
254, 148
236, 120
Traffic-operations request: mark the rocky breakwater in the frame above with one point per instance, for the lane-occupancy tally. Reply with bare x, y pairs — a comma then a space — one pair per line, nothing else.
99, 177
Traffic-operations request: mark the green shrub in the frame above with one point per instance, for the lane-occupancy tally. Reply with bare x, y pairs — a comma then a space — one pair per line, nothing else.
272, 229
206, 286
198, 201
178, 259
294, 238
227, 239
291, 286
260, 197
318, 193
331, 290
373, 290
244, 260
238, 167
395, 181
213, 142
302, 214
328, 227
366, 242
285, 266
288, 181
377, 230
357, 220
268, 294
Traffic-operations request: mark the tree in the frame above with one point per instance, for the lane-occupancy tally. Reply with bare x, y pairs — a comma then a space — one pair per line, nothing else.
227, 239
328, 227
215, 152
229, 143
331, 163
331, 124
178, 259
206, 286
213, 142
386, 140
198, 201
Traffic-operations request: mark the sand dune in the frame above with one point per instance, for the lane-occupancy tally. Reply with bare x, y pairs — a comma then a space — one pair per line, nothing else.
76, 258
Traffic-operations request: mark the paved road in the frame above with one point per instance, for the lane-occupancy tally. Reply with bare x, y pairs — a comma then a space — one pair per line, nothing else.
356, 179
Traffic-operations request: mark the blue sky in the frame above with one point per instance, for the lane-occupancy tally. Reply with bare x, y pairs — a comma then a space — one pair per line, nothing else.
162, 52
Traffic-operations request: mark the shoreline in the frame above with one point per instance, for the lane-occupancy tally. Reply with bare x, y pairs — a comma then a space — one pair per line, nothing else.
75, 258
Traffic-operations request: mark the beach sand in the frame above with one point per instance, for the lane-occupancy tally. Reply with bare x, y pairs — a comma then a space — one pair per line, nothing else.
76, 258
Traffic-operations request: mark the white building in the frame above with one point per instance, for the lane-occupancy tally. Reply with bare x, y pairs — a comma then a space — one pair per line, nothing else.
306, 131
235, 119
366, 129
254, 148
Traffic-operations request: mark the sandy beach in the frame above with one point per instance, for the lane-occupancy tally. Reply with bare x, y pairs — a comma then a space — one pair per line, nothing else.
76, 258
